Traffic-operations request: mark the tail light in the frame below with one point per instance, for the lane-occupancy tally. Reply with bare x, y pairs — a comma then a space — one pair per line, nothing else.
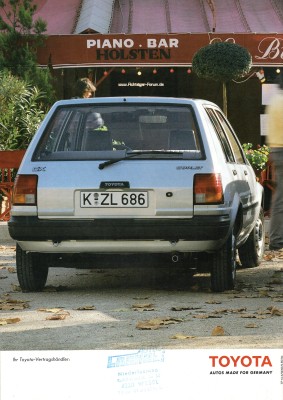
25, 190
208, 189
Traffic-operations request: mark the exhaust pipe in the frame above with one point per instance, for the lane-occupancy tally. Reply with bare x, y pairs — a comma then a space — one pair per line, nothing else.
175, 258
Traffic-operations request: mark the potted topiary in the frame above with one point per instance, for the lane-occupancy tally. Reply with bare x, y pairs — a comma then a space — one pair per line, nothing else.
222, 61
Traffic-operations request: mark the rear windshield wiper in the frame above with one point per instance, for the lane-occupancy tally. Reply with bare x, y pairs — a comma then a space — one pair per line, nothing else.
134, 154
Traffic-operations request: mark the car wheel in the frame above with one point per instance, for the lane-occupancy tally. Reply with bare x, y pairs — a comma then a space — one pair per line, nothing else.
223, 272
252, 251
32, 270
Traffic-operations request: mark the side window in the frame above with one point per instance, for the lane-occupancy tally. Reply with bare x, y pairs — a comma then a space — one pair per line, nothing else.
49, 142
62, 133
69, 133
221, 135
73, 131
237, 149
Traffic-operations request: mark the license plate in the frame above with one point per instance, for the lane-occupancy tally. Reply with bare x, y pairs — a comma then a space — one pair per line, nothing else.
114, 199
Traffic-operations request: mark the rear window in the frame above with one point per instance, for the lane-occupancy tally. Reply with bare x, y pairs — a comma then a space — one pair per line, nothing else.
89, 131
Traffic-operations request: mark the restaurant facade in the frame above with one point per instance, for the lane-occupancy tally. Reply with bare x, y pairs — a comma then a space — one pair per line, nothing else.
146, 48
161, 65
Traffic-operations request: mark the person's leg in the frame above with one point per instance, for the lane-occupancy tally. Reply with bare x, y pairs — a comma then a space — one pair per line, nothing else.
276, 217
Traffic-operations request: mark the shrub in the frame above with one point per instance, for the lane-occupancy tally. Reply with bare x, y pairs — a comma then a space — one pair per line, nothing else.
257, 157
21, 34
21, 112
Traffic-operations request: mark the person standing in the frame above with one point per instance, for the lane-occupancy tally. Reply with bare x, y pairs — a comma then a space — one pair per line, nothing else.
274, 113
85, 88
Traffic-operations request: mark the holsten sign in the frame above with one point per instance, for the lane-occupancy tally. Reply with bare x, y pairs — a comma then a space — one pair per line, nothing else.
158, 50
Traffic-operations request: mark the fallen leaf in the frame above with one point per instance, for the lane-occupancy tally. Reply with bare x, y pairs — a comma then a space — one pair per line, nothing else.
185, 308
11, 304
149, 325
268, 257
86, 308
213, 302
246, 296
248, 316
239, 310
218, 331
14, 301
12, 270
263, 312
56, 317
180, 336
143, 307
251, 326
10, 307
263, 293
157, 323
277, 311
205, 316
278, 299
221, 311
5, 321
49, 289
52, 310
16, 288
171, 320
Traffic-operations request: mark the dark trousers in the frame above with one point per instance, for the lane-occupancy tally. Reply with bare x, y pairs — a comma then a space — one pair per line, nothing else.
276, 217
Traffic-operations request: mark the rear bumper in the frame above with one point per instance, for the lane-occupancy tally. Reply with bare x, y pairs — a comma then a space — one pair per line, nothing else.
204, 228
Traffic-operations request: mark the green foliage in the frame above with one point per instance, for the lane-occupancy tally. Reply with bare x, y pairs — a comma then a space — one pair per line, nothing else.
20, 36
21, 112
222, 61
257, 157
19, 17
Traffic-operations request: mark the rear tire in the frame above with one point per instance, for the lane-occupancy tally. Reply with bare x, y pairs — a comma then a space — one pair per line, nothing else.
252, 251
223, 272
32, 270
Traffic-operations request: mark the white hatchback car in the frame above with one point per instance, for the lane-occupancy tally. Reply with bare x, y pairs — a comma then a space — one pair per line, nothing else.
136, 175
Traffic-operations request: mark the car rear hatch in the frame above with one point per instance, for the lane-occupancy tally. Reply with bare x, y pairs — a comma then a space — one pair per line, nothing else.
121, 160
129, 188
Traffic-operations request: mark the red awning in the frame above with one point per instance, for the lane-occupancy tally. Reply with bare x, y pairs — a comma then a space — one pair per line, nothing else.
194, 16
61, 16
